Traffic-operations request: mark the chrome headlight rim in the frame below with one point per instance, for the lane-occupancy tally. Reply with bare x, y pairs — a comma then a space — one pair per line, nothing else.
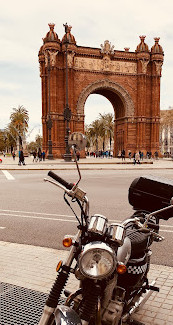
102, 248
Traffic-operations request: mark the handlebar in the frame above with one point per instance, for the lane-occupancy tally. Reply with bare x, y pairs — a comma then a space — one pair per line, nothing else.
60, 180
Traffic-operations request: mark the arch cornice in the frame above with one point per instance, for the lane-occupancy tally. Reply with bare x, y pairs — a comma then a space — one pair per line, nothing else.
106, 84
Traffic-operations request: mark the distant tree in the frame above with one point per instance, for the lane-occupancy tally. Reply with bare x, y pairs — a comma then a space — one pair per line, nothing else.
87, 133
35, 145
101, 130
2, 141
107, 126
39, 141
10, 136
166, 118
19, 121
94, 130
32, 146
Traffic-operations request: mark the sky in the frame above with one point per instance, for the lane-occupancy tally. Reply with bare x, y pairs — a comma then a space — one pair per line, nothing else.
23, 24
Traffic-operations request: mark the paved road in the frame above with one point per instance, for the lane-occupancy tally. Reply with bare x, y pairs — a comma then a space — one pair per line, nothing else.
33, 212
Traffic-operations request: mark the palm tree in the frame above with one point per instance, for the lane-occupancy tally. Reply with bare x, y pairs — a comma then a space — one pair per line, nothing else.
19, 121
87, 133
95, 132
10, 137
107, 126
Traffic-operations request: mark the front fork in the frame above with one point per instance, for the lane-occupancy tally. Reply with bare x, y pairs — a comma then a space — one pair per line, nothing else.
47, 317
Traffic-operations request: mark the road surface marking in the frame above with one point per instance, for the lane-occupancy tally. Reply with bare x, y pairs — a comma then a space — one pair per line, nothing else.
59, 219
59, 216
2, 227
34, 217
165, 230
8, 175
46, 214
42, 213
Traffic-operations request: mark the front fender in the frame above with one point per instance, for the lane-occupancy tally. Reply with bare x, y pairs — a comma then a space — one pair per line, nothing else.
66, 316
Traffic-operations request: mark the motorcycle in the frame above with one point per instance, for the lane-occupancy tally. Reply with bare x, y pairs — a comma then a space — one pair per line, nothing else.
110, 261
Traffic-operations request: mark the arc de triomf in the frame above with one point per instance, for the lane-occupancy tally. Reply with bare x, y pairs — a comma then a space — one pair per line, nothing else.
129, 80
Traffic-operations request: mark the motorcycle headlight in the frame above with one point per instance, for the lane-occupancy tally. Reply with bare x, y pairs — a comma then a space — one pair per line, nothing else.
97, 260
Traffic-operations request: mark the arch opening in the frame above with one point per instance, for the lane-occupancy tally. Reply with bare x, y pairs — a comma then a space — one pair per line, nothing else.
115, 105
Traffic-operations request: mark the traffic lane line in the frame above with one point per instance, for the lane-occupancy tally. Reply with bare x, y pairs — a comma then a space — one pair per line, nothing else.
31, 212
12, 213
42, 218
69, 218
8, 175
39, 217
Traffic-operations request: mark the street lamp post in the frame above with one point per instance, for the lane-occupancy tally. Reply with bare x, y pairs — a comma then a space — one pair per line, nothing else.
49, 121
67, 111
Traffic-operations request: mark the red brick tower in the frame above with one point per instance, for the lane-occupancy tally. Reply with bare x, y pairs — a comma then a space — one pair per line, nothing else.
129, 80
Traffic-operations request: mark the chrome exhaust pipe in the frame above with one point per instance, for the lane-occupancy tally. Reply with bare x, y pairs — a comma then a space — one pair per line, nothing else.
139, 303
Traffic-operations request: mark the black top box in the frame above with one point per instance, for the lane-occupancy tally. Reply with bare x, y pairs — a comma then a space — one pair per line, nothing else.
151, 193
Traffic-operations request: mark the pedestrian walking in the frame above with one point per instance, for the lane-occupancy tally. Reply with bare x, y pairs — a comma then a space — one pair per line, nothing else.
156, 154
13, 155
21, 158
78, 155
123, 154
34, 156
137, 157
130, 155
39, 154
43, 155
134, 158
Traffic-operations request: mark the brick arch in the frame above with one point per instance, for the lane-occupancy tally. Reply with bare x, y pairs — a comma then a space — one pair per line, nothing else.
106, 84
129, 80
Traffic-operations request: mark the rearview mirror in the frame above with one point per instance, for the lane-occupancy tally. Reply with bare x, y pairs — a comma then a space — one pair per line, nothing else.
78, 140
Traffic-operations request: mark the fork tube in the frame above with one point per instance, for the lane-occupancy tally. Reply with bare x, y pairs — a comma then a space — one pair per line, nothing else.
70, 256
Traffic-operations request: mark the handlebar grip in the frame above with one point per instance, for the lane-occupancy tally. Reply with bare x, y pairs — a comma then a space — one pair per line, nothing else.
60, 180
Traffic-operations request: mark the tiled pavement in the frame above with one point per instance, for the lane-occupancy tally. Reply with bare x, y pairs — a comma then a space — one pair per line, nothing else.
34, 268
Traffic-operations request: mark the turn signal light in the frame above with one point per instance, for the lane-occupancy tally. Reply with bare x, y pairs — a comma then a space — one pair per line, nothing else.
67, 241
121, 268
58, 266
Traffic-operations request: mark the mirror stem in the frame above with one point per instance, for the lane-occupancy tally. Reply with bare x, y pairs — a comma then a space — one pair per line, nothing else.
75, 158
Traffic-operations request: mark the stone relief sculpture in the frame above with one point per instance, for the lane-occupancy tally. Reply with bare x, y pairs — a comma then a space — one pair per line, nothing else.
107, 48
70, 57
106, 66
144, 65
52, 57
46, 58
158, 67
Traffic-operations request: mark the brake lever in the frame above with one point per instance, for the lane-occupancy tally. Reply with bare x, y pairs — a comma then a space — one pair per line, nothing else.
58, 184
75, 192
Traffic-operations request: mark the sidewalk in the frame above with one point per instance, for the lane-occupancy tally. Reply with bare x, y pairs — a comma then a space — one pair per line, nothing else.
35, 268
86, 164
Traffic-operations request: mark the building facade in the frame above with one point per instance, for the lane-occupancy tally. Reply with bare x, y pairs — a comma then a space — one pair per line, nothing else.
129, 80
